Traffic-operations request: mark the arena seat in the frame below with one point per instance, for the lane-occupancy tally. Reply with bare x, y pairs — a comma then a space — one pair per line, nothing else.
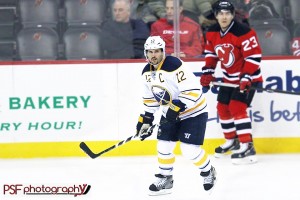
274, 38
82, 43
38, 13
85, 12
37, 43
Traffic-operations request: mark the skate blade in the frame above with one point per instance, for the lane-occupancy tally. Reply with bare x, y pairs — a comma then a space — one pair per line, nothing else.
161, 192
244, 161
222, 155
209, 192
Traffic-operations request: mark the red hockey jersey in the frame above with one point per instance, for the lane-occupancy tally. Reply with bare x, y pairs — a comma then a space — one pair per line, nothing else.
237, 49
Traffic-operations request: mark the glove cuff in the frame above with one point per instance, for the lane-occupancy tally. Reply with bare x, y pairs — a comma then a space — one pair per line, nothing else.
208, 70
174, 107
246, 76
177, 106
146, 119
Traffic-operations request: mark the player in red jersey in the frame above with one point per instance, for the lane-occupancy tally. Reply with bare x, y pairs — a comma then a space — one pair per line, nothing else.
236, 47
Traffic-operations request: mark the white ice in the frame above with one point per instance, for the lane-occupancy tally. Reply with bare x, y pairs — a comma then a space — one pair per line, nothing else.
274, 177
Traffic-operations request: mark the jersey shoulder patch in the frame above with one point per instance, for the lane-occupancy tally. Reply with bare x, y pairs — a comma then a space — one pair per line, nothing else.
171, 63
146, 68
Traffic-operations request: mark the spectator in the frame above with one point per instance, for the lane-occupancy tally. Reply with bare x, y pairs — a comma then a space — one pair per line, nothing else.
123, 37
200, 11
262, 10
148, 10
191, 36
242, 10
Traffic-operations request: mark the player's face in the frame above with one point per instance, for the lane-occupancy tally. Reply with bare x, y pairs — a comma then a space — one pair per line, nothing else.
155, 56
224, 18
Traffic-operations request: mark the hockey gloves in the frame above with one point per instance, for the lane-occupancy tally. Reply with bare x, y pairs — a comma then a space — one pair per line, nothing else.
245, 83
206, 78
144, 123
174, 108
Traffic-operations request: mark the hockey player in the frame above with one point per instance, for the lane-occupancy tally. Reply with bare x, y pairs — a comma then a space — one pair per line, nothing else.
237, 47
169, 84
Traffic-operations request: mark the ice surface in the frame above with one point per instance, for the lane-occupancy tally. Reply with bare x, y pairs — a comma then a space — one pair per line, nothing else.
274, 177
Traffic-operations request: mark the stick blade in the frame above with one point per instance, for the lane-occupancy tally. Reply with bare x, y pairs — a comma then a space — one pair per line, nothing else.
87, 150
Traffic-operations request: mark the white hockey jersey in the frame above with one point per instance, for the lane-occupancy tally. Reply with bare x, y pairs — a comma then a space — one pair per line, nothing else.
172, 80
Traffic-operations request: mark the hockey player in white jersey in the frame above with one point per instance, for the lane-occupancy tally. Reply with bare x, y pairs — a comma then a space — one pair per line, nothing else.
169, 84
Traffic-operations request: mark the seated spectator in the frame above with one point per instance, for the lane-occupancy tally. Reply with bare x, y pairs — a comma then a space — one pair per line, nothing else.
123, 37
242, 5
191, 36
148, 10
200, 11
242, 10
262, 10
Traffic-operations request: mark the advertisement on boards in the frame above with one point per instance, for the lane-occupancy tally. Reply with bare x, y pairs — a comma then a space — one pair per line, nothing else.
75, 102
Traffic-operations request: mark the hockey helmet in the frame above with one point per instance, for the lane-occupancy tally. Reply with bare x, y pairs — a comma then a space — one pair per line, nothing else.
223, 5
154, 42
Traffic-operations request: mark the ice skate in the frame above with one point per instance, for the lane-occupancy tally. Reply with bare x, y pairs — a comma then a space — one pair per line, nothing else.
245, 155
229, 145
210, 179
163, 185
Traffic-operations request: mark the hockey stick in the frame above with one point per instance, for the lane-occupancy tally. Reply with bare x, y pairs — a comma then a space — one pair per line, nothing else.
93, 155
256, 88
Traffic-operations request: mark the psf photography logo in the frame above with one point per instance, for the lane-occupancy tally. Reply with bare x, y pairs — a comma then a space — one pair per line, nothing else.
20, 189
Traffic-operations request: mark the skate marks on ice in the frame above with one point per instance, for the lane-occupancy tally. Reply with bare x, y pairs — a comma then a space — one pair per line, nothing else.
274, 177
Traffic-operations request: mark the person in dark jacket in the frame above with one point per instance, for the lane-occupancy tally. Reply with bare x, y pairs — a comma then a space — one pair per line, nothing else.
123, 37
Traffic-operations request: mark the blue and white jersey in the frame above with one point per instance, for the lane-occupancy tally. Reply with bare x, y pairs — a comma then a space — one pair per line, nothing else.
172, 80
